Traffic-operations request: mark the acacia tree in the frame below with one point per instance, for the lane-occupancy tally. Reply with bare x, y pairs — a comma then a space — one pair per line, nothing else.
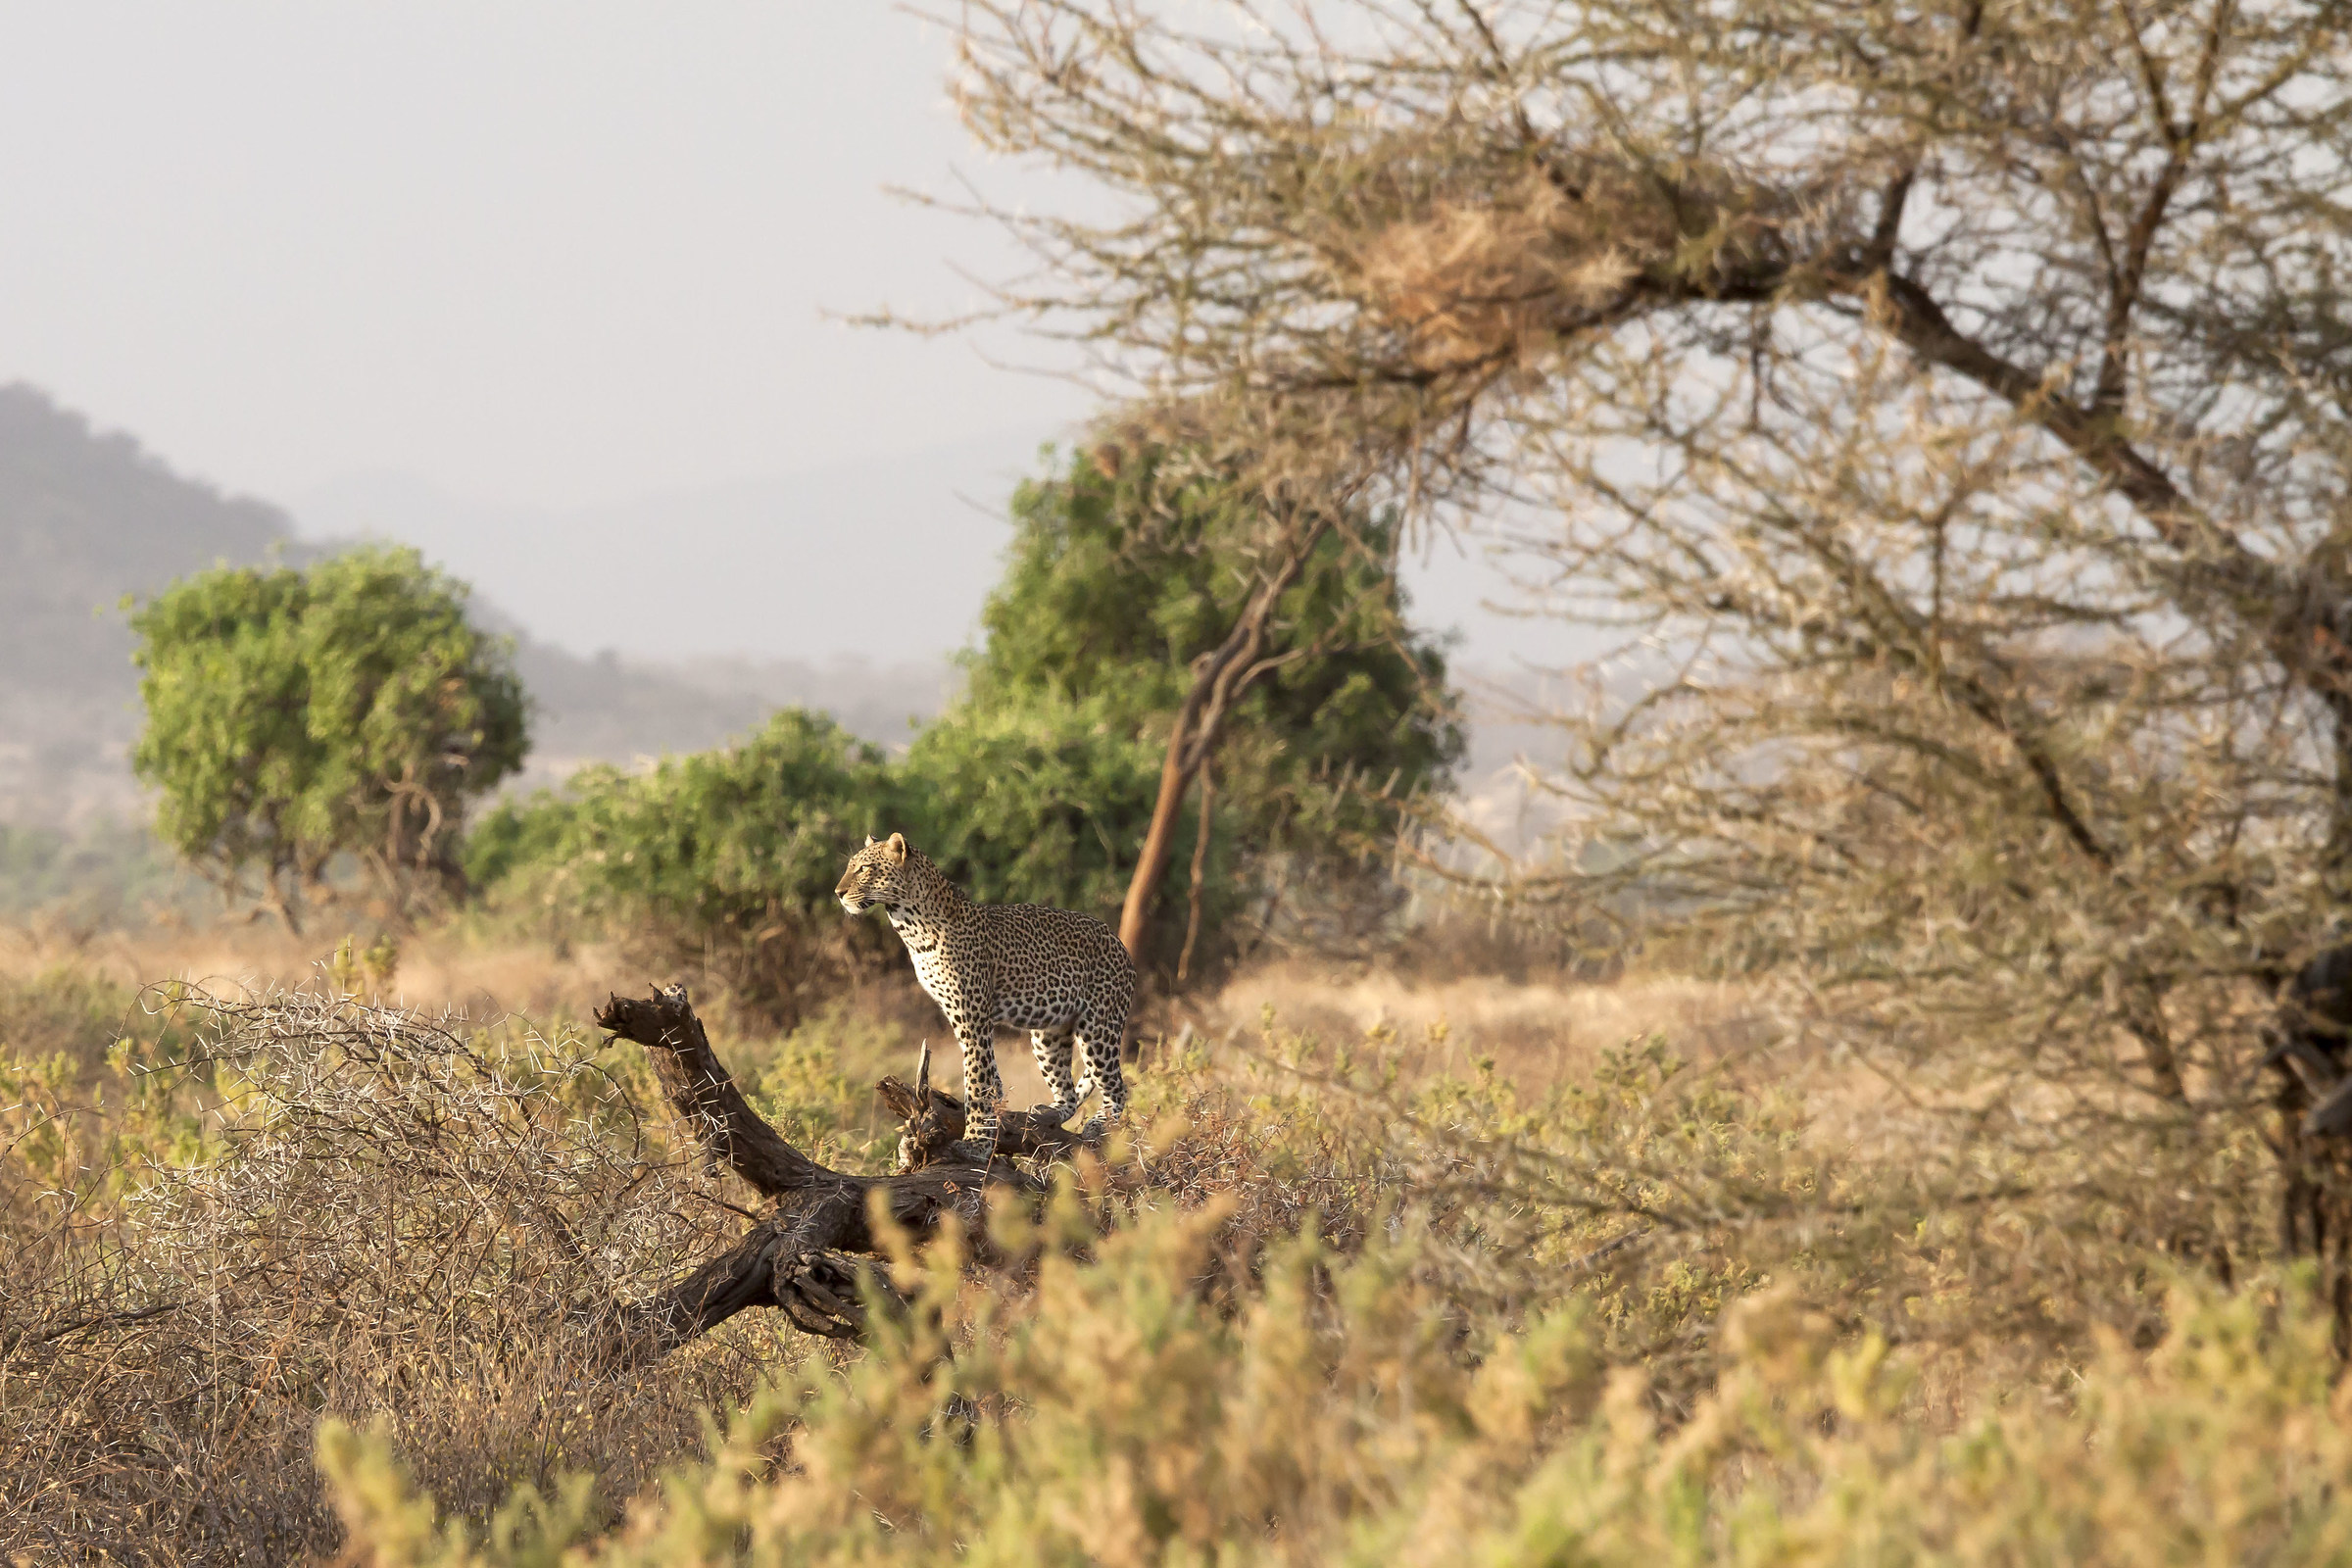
296, 715
1949, 398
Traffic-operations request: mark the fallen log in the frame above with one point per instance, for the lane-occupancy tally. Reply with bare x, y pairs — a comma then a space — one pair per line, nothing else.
814, 1255
933, 1123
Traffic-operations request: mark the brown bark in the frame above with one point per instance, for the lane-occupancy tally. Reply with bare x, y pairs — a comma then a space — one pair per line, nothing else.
1151, 864
700, 1090
2311, 1033
1220, 678
809, 1256
1192, 918
934, 1125
2315, 1210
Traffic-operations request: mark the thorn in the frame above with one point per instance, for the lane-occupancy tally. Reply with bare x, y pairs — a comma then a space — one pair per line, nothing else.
922, 1078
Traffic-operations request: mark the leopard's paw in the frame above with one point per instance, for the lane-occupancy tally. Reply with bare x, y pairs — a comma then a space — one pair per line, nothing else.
980, 1152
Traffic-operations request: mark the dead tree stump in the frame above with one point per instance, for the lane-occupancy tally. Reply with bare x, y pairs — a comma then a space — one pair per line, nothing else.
815, 1255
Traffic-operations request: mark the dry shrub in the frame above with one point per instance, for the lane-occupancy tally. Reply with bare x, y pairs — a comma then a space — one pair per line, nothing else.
1658, 1191
319, 1207
1113, 1415
61, 1009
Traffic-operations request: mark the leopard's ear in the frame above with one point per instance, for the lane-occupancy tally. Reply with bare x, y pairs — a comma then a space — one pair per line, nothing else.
870, 841
897, 847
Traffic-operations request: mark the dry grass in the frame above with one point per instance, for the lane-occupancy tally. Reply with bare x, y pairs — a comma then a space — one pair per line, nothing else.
1643, 1154
1538, 1033
1541, 1033
436, 970
1539, 1030
454, 970
1539, 1027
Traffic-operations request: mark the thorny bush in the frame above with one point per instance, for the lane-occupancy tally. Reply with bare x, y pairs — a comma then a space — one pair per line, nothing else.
279, 1207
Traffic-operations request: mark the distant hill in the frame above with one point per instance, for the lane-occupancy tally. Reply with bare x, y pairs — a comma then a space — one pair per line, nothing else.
87, 517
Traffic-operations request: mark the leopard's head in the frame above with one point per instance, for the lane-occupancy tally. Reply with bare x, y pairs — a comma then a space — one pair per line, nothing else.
876, 875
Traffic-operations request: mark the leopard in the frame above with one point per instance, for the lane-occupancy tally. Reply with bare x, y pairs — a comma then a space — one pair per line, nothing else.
1062, 975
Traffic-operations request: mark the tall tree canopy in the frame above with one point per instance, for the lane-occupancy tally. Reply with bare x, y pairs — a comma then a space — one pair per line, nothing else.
296, 715
1127, 569
1951, 398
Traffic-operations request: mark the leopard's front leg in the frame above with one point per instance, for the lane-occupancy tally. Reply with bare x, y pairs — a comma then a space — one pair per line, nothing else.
983, 1085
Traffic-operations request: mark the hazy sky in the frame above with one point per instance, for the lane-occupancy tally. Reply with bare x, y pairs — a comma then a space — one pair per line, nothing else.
531, 256
543, 254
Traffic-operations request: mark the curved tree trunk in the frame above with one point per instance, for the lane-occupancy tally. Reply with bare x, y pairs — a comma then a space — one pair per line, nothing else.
815, 1255
1220, 678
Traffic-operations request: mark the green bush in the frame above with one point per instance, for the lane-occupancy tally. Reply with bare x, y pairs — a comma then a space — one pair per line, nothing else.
724, 861
1038, 784
1041, 779
1041, 802
293, 716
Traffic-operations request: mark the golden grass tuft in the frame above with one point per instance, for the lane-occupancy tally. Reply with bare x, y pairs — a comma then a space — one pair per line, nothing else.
1538, 1033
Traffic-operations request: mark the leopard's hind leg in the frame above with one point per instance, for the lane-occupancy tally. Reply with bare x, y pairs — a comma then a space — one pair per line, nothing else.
1099, 1032
1053, 1049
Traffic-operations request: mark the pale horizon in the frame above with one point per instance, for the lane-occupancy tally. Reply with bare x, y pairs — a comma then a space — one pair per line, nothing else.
530, 285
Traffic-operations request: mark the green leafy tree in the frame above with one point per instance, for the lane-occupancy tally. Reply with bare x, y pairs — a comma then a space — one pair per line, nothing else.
722, 861
295, 714
1036, 799
1125, 573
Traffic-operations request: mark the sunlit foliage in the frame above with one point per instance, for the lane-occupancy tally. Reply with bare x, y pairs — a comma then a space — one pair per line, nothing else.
1039, 782
1035, 785
348, 708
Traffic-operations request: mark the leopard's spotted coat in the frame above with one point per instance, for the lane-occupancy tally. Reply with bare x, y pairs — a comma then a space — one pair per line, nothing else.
1061, 975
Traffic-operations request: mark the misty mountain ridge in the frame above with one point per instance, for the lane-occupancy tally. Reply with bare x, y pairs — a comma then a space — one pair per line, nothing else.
88, 516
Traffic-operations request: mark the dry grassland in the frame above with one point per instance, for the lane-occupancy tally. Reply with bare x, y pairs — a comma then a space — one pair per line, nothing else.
1536, 1032
1613, 1175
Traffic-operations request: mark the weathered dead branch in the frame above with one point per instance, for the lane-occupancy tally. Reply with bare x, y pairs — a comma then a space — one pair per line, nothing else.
934, 1121
813, 1255
703, 1093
